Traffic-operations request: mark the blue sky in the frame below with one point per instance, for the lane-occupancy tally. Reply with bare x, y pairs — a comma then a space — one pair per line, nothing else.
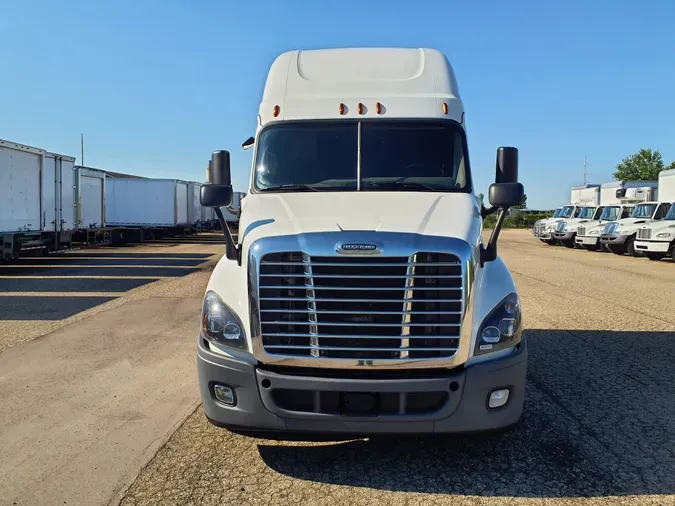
155, 86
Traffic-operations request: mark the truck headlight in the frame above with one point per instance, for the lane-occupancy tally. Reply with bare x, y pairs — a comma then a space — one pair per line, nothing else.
594, 232
664, 234
501, 328
220, 324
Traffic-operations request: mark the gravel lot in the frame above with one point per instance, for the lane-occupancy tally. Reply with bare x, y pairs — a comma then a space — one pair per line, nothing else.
599, 426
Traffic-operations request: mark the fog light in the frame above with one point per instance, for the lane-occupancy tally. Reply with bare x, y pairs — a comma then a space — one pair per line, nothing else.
225, 394
498, 398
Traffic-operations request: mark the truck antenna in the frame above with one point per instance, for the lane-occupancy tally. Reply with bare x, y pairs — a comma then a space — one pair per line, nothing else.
585, 171
82, 148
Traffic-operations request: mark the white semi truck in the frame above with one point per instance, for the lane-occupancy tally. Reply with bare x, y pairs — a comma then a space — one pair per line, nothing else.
588, 198
361, 297
619, 236
656, 240
544, 229
618, 200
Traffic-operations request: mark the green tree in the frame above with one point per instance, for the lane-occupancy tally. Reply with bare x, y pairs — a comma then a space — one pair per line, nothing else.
644, 165
481, 197
523, 204
671, 166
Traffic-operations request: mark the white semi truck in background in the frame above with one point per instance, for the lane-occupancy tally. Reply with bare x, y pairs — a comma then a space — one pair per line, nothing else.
588, 198
544, 230
360, 297
618, 200
619, 236
656, 240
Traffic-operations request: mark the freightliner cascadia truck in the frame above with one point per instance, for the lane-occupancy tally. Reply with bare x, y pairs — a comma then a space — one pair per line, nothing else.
361, 297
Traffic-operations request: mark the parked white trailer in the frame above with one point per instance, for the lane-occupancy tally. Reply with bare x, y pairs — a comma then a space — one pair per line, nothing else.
90, 187
195, 209
141, 202
20, 187
58, 194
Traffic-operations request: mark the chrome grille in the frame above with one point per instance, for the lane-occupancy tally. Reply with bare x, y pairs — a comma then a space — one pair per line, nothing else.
644, 233
581, 231
364, 308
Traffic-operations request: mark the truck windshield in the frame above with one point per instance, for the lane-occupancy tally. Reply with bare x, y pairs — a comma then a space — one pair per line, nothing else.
671, 213
567, 212
644, 211
557, 213
395, 156
610, 213
587, 212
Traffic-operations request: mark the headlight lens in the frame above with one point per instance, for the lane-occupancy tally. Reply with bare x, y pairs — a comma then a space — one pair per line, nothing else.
594, 232
501, 328
664, 234
220, 325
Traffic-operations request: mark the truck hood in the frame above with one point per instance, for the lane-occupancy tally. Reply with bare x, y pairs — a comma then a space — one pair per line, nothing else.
439, 214
660, 225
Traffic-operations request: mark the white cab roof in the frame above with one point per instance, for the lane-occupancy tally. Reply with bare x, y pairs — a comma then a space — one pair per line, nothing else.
408, 83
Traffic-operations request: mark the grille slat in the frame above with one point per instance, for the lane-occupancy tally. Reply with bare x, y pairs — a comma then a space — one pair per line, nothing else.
644, 233
315, 306
346, 348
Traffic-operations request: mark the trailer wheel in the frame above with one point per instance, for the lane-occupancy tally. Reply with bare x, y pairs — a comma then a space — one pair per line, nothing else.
654, 256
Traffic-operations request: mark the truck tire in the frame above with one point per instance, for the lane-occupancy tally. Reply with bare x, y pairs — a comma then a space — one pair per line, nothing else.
567, 243
630, 248
550, 242
617, 249
672, 252
654, 256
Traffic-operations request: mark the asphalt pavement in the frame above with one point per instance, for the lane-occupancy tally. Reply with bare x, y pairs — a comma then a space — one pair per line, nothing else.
598, 428
96, 392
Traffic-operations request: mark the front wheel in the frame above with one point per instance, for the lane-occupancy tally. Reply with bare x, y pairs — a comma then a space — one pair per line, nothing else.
654, 256
630, 247
617, 249
567, 243
550, 242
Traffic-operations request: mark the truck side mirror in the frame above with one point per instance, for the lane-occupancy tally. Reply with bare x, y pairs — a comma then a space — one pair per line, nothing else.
219, 194
507, 165
215, 195
504, 193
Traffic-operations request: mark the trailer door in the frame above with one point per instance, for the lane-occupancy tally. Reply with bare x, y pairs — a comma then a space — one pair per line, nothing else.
91, 202
20, 188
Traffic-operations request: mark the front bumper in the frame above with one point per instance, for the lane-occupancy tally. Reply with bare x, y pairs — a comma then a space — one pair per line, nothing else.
564, 236
464, 409
614, 239
653, 246
587, 240
542, 234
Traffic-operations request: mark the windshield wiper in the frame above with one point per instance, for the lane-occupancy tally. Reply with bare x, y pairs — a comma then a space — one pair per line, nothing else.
290, 187
403, 184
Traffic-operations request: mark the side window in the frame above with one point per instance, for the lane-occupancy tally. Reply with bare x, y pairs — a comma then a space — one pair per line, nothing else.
663, 210
577, 211
598, 212
626, 212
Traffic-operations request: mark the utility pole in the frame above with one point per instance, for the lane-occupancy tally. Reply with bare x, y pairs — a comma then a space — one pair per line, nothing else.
585, 171
82, 147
